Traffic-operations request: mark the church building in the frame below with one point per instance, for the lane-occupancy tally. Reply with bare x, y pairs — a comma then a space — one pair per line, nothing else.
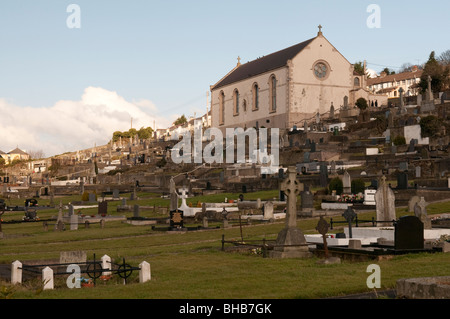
285, 88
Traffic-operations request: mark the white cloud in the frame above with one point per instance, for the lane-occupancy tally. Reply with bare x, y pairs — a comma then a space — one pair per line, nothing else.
74, 125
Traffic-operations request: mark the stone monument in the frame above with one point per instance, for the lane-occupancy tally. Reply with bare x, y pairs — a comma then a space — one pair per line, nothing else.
385, 203
420, 210
291, 242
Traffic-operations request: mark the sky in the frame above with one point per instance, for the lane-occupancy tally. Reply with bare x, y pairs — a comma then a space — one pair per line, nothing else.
71, 77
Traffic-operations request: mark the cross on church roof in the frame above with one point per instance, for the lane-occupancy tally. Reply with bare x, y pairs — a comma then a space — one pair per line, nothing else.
320, 29
239, 60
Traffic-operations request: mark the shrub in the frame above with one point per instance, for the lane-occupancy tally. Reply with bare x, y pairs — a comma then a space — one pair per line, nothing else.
358, 186
399, 140
337, 185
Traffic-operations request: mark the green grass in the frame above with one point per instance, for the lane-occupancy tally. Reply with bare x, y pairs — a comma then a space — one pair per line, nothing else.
192, 265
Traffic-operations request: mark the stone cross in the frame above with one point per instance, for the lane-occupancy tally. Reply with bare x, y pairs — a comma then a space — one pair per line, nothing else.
183, 196
173, 195
349, 216
322, 228
429, 91
292, 188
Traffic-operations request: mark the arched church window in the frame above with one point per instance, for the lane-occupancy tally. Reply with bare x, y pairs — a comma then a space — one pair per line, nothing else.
273, 93
221, 108
236, 101
255, 91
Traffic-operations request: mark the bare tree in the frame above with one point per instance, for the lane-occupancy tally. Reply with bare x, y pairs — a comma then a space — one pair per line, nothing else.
444, 58
36, 154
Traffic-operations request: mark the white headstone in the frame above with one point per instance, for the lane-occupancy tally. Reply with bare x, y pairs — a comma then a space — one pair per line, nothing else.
16, 272
106, 264
144, 272
268, 210
73, 222
47, 278
347, 183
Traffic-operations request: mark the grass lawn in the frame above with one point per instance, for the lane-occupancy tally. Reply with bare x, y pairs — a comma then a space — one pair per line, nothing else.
192, 264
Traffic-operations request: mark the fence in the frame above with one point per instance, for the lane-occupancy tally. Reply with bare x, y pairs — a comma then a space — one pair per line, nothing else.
264, 244
357, 221
93, 269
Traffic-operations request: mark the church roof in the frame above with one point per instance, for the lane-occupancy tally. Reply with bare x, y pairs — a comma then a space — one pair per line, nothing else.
17, 151
261, 65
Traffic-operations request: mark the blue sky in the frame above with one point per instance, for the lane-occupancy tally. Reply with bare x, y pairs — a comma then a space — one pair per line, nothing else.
168, 53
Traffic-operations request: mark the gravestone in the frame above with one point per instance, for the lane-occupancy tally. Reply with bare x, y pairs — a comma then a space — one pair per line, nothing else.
308, 143
306, 157
268, 210
409, 233
92, 198
412, 203
403, 166
385, 204
116, 193
102, 208
420, 211
411, 147
173, 196
307, 200
347, 183
136, 211
349, 215
333, 167
176, 219
402, 180
322, 228
74, 222
71, 210
323, 177
418, 171
390, 120
313, 147
69, 257
291, 242
59, 219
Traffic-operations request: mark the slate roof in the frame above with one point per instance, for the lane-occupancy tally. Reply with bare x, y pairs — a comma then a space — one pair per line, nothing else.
395, 77
261, 65
17, 151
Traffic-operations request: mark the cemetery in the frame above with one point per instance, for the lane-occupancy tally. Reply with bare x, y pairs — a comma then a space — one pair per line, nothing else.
353, 188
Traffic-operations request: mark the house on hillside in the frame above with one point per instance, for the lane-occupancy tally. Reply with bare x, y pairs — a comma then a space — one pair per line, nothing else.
390, 85
15, 154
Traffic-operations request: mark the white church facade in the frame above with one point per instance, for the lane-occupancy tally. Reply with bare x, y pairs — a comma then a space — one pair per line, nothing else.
285, 88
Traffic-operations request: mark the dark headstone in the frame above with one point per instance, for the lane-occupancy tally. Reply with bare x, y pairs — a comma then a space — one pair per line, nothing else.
402, 180
323, 175
176, 218
409, 233
103, 208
